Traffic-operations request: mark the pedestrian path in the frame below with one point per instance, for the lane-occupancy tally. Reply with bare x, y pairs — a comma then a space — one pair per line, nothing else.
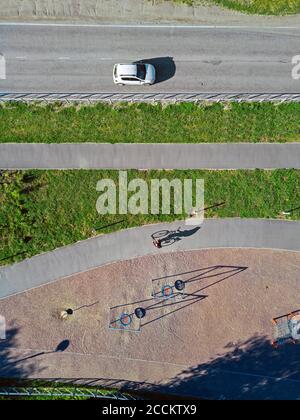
150, 156
137, 242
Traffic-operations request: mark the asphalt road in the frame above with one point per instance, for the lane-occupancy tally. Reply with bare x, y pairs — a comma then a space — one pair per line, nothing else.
60, 58
150, 156
137, 242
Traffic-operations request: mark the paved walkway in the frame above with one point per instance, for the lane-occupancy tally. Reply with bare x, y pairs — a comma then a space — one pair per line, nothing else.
133, 11
215, 342
150, 156
127, 244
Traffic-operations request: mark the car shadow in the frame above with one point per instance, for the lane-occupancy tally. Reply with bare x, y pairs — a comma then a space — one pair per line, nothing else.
165, 67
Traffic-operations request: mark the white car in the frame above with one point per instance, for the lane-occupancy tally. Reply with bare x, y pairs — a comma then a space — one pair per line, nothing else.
134, 74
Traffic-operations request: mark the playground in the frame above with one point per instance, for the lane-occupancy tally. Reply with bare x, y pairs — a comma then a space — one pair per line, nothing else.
210, 336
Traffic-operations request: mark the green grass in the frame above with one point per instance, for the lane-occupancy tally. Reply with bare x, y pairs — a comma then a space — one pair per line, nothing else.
143, 123
263, 7
42, 210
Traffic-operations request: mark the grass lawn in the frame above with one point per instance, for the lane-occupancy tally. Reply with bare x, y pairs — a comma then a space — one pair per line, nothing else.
146, 123
43, 210
264, 7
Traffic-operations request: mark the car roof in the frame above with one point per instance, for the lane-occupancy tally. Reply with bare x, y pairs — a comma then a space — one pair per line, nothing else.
127, 69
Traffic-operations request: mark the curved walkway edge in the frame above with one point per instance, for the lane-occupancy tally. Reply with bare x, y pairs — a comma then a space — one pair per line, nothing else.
150, 156
136, 242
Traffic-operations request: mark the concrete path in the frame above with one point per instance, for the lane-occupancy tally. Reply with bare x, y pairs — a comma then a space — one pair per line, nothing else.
150, 156
127, 244
67, 58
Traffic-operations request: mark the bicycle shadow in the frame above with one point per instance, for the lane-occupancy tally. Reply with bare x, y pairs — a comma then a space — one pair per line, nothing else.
167, 237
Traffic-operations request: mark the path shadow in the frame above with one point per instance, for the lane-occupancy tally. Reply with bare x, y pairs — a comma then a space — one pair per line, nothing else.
165, 67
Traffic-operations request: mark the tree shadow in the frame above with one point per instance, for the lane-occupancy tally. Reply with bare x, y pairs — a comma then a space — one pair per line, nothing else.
249, 370
164, 66
13, 367
10, 366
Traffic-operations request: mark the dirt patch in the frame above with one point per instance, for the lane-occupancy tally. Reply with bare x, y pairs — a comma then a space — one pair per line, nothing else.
129, 11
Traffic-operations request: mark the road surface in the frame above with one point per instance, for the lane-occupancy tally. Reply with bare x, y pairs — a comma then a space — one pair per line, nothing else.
80, 58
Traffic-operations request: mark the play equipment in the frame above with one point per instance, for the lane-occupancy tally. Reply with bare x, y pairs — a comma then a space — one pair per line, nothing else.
287, 329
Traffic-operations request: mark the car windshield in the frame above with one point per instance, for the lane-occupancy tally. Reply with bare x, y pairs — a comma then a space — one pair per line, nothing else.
141, 71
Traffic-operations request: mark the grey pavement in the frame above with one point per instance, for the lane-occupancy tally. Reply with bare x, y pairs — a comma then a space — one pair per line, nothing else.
137, 242
135, 11
150, 156
79, 58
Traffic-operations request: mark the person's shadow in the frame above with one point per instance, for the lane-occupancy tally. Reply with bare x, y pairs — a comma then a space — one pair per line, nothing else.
164, 66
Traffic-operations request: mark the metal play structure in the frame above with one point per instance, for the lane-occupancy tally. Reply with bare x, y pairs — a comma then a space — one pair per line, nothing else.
287, 329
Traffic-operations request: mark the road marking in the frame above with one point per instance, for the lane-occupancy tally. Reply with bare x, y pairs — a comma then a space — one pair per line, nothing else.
2, 67
94, 58
145, 26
